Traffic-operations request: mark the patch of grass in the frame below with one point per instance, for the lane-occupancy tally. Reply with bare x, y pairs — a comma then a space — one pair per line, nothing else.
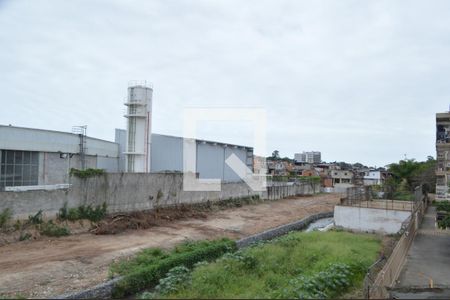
16, 296
51, 229
149, 266
403, 196
5, 217
296, 265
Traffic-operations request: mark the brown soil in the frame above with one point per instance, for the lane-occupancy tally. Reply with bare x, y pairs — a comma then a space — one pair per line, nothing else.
143, 220
51, 266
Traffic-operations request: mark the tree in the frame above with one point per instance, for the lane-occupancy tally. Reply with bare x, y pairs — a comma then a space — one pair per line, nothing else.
414, 173
276, 155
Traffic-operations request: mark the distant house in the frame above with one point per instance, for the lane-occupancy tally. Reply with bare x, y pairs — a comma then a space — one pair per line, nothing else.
375, 177
277, 168
259, 165
310, 172
341, 176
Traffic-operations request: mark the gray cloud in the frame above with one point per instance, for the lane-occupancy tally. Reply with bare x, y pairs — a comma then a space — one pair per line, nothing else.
358, 80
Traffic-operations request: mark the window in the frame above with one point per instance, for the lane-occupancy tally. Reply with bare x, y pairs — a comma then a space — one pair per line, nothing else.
19, 168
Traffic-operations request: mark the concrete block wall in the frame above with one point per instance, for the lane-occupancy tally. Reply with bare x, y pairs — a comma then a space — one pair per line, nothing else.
122, 192
26, 203
282, 191
126, 192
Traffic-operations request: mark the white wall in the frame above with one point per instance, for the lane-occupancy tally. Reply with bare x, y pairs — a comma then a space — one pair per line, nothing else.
369, 219
372, 177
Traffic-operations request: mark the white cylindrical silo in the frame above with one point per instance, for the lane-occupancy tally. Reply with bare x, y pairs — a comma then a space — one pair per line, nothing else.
139, 127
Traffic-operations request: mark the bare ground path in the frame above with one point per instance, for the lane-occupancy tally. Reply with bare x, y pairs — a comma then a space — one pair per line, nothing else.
46, 268
429, 256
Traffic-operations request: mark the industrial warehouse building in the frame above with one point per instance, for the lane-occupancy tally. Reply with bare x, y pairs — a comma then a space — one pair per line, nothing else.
38, 157
32, 157
43, 157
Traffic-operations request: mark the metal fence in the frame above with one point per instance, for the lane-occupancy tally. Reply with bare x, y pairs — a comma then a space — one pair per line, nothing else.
365, 196
375, 287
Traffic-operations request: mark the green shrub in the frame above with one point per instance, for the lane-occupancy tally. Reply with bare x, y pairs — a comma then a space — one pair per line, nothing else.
248, 261
5, 217
36, 219
88, 212
325, 284
443, 206
18, 225
51, 229
63, 212
86, 173
444, 223
144, 276
144, 257
24, 236
175, 279
72, 214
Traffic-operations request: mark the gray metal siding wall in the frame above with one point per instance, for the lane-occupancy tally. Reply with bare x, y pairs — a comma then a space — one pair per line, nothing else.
229, 174
121, 139
210, 161
166, 153
28, 139
109, 164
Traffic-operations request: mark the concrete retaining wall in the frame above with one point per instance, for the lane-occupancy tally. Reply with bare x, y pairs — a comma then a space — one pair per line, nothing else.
281, 230
126, 192
370, 219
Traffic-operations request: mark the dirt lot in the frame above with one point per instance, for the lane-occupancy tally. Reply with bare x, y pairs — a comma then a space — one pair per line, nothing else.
49, 267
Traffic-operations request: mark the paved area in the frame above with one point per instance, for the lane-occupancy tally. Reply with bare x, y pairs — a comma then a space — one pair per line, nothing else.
428, 259
50, 267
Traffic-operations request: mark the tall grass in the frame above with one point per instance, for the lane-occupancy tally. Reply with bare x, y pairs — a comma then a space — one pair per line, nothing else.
274, 269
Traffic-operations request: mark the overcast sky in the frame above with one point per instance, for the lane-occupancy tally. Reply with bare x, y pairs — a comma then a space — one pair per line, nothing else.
359, 81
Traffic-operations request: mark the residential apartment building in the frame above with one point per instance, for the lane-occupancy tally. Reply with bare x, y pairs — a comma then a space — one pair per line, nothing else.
442, 155
311, 157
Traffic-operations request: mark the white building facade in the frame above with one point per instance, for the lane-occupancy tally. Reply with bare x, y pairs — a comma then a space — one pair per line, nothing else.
310, 157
